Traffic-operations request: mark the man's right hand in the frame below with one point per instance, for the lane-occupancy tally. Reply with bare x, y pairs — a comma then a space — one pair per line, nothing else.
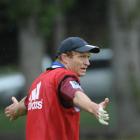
11, 111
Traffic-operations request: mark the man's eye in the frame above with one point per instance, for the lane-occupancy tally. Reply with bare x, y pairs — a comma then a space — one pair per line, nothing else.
82, 56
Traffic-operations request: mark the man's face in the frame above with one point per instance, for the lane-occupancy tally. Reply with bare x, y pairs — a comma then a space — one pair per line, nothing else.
78, 62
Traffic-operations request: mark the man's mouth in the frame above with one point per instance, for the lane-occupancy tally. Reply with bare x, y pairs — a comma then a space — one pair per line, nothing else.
83, 69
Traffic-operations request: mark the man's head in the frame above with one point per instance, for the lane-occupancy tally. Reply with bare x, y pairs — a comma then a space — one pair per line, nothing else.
76, 44
74, 53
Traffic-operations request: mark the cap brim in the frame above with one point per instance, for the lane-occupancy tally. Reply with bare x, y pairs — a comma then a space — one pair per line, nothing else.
88, 48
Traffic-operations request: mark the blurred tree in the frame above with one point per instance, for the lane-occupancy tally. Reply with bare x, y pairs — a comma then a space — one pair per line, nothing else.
59, 25
35, 19
125, 25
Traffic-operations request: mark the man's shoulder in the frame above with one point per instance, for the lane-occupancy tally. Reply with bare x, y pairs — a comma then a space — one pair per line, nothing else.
66, 74
65, 71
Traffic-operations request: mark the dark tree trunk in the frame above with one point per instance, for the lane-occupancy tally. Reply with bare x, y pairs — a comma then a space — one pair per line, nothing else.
31, 50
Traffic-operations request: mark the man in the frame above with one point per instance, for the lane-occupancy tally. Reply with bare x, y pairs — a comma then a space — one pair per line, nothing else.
56, 96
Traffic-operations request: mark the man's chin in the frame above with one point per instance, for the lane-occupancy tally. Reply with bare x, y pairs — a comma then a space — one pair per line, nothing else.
82, 74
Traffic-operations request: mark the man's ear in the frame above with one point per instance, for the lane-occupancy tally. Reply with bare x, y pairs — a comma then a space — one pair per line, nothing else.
64, 58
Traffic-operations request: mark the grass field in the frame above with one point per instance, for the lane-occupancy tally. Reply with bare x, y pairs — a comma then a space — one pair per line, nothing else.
11, 126
88, 123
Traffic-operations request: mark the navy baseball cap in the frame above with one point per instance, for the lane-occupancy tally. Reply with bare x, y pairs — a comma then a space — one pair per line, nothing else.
76, 44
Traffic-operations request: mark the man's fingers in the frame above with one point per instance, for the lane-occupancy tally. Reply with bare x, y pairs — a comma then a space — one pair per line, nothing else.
103, 115
101, 110
11, 119
105, 102
8, 108
103, 122
6, 112
11, 110
14, 100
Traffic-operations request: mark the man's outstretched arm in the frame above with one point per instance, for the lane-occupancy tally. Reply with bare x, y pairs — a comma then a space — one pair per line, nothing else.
16, 109
98, 110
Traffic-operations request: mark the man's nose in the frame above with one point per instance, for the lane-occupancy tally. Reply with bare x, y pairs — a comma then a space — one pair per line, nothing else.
87, 62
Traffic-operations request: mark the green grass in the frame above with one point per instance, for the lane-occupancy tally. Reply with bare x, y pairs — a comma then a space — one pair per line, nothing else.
11, 126
87, 120
90, 123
